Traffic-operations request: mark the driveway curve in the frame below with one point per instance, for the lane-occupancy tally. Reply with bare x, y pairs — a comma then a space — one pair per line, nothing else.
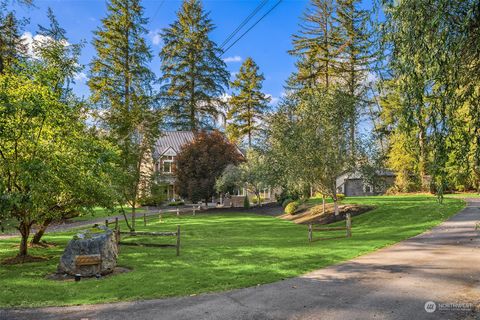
441, 266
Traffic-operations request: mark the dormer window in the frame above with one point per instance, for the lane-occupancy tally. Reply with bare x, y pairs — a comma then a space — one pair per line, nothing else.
167, 164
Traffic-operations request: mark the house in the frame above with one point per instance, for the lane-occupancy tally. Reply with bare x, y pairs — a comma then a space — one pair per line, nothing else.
164, 159
354, 183
165, 152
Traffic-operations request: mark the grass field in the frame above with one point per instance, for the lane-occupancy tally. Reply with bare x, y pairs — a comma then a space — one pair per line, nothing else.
103, 213
219, 252
10, 224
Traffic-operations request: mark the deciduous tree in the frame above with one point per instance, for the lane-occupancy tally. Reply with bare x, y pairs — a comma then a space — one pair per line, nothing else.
201, 162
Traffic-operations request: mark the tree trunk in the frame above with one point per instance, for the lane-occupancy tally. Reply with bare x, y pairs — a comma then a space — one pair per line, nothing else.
335, 201
133, 215
422, 161
335, 204
323, 203
24, 229
41, 231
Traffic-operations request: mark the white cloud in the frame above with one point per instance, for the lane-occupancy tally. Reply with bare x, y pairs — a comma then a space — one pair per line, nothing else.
155, 36
273, 100
81, 77
233, 59
225, 97
32, 40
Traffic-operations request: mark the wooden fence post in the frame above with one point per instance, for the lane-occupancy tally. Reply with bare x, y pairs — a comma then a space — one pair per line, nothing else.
178, 240
178, 211
349, 225
193, 208
117, 232
106, 223
145, 219
310, 232
116, 223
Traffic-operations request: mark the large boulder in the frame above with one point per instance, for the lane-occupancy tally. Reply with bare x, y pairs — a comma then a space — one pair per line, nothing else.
90, 252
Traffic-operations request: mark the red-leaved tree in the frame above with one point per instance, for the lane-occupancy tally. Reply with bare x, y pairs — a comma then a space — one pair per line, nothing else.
201, 162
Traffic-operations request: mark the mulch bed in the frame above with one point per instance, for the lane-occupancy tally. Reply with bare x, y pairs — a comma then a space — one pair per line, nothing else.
21, 260
270, 209
315, 215
69, 278
42, 244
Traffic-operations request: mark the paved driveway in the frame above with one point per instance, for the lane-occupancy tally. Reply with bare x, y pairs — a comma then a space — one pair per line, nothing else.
442, 265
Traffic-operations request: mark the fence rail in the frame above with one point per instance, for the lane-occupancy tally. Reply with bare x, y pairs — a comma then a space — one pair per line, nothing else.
118, 234
347, 228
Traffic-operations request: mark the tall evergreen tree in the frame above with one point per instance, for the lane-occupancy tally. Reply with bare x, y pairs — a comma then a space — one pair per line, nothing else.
248, 104
12, 46
357, 57
58, 55
193, 74
317, 45
120, 83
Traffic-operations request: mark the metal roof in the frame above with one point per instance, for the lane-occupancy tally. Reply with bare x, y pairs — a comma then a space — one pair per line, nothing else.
174, 140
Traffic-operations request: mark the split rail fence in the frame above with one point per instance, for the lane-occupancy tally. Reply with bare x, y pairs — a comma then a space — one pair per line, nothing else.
347, 228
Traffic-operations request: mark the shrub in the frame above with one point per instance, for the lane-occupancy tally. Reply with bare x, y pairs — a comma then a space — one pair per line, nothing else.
176, 203
255, 200
286, 202
286, 195
291, 207
246, 202
340, 196
157, 196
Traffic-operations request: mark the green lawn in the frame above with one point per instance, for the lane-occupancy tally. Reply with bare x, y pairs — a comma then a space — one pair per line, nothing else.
10, 224
103, 213
219, 252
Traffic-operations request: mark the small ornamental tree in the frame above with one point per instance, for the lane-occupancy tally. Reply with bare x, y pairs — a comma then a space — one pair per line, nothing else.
251, 174
51, 164
201, 162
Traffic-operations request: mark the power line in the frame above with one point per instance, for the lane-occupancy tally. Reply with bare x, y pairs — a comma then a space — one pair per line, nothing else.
158, 9
261, 18
244, 22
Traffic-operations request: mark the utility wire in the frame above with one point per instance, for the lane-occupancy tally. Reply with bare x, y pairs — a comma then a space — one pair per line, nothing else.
243, 23
158, 9
243, 34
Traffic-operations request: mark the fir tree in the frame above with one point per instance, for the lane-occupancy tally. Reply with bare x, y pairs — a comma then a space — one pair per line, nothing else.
120, 82
317, 45
58, 55
12, 46
357, 53
194, 76
248, 105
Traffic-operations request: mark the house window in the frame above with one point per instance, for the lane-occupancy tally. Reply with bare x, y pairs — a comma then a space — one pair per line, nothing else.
167, 164
368, 188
